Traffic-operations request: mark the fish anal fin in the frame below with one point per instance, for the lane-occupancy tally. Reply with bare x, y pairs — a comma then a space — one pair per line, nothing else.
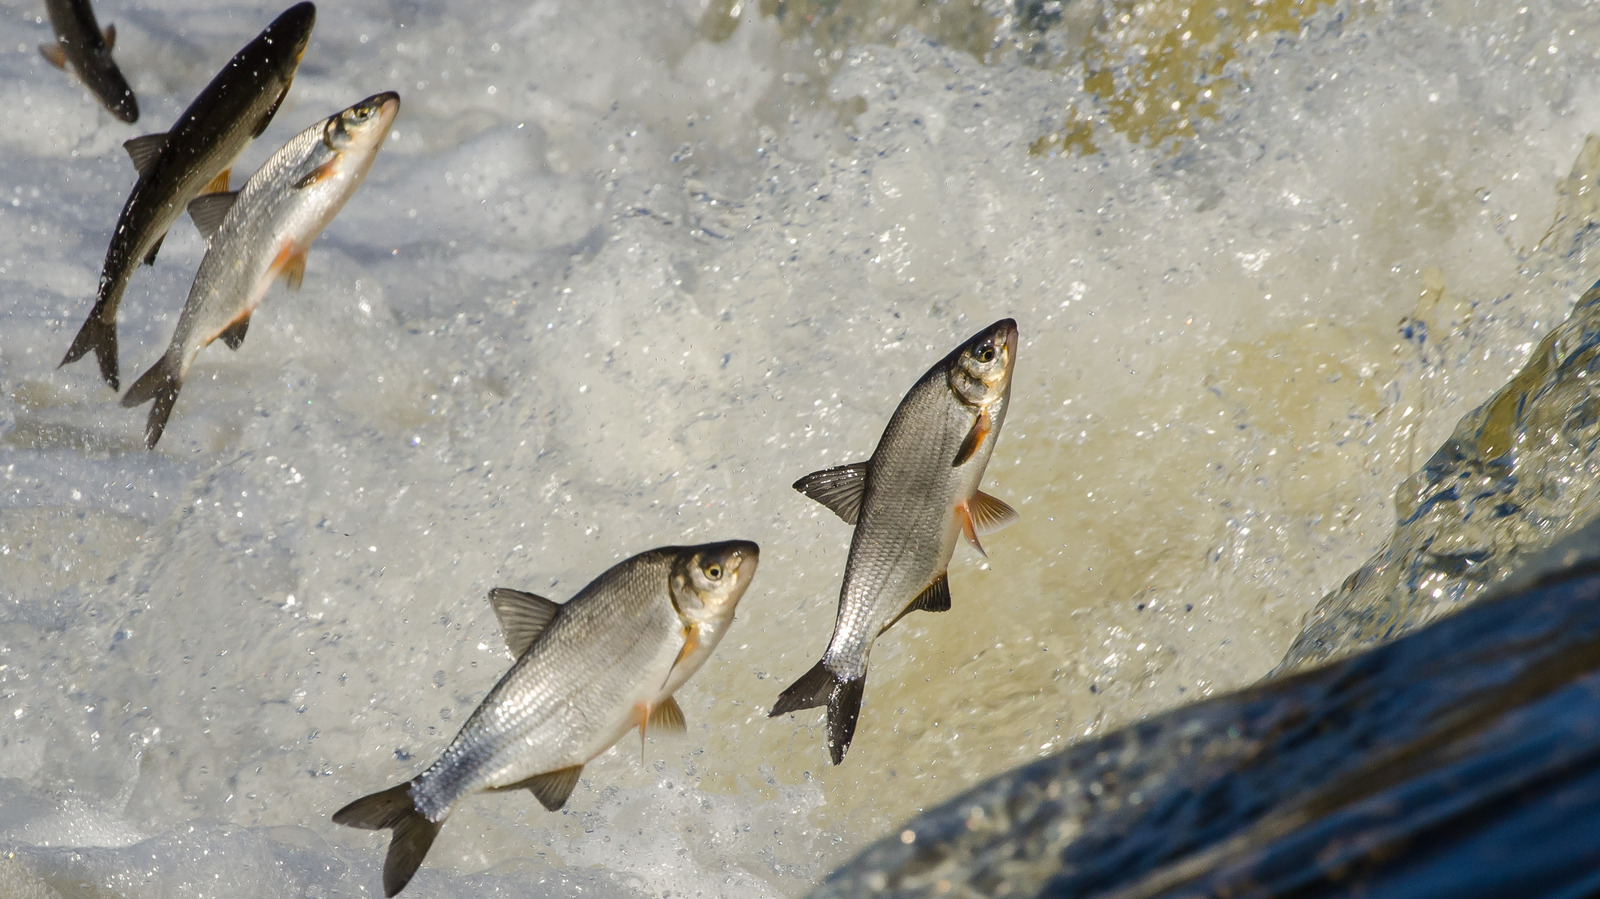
934, 598
523, 616
393, 809
989, 514
552, 787
110, 34
150, 257
145, 150
975, 437
840, 489
317, 174
233, 335
54, 55
209, 209
219, 184
290, 265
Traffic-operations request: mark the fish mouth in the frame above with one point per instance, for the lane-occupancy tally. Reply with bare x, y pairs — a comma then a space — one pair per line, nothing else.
296, 22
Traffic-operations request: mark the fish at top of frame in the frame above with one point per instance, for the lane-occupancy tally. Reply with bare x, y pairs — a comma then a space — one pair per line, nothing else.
85, 48
191, 158
260, 234
587, 672
909, 503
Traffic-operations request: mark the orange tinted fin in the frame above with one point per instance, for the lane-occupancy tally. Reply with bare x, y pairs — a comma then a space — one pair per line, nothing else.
110, 34
317, 174
219, 184
969, 529
53, 54
290, 265
975, 437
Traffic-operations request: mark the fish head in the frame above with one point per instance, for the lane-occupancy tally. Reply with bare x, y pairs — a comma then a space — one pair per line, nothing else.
293, 28
363, 126
708, 580
980, 371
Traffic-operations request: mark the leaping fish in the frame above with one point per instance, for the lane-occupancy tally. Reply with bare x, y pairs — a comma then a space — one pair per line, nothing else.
85, 48
192, 158
586, 673
908, 503
260, 234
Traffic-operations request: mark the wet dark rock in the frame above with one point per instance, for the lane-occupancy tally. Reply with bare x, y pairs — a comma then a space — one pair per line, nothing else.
1461, 761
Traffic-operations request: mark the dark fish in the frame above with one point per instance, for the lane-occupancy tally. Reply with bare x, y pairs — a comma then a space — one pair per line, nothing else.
192, 158
586, 673
909, 502
82, 45
261, 234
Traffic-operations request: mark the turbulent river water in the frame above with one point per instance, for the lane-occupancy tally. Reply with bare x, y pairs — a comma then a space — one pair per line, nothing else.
623, 272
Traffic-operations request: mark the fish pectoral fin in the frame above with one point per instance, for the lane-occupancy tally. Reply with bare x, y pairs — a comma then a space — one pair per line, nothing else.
220, 183
667, 716
266, 119
974, 439
144, 150
209, 209
150, 257
934, 598
110, 34
54, 55
290, 265
552, 787
840, 489
233, 335
989, 514
317, 174
523, 616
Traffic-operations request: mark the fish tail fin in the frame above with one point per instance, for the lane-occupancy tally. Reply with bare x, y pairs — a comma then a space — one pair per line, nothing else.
844, 707
393, 809
101, 336
842, 695
810, 691
161, 383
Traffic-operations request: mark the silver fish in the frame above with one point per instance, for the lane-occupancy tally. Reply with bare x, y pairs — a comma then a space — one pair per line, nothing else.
262, 233
85, 48
586, 673
909, 502
194, 157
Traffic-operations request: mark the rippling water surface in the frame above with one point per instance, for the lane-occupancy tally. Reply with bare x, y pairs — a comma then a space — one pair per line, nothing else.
624, 272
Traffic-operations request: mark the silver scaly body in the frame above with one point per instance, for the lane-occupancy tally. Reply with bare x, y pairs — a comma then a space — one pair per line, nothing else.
909, 503
586, 673
264, 234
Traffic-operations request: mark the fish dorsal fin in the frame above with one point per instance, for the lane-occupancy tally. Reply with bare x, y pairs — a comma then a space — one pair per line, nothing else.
840, 489
233, 335
54, 55
150, 257
989, 514
523, 617
110, 34
667, 716
208, 211
145, 150
553, 787
974, 439
934, 598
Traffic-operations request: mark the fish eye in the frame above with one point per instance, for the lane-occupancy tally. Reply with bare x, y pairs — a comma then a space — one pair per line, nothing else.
713, 571
984, 353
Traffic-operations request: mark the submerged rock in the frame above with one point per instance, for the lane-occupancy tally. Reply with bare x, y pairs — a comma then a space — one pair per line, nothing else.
1461, 760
